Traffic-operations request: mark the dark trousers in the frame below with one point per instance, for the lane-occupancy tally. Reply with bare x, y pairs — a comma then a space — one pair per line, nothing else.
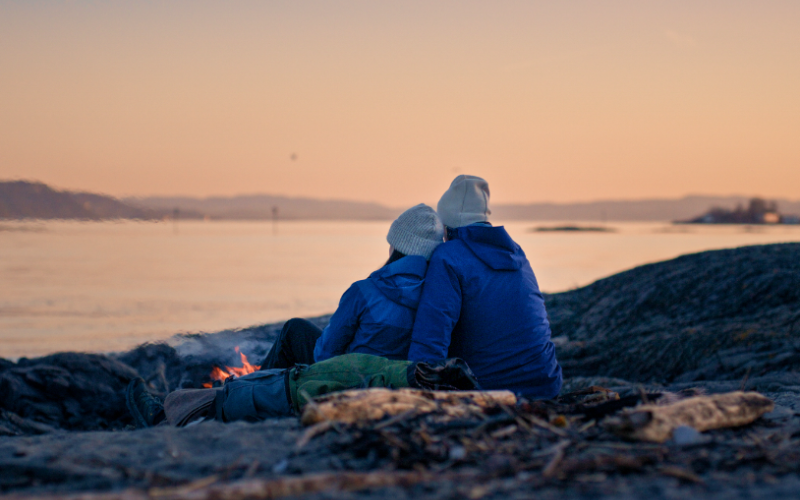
294, 345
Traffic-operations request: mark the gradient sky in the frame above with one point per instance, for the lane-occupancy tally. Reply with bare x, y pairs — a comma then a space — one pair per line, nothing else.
387, 101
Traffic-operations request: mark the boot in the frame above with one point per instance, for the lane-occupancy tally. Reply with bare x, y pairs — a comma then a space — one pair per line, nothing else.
449, 375
146, 409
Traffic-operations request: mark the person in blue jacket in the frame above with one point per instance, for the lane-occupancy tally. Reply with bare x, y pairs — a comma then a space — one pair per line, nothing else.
481, 301
375, 315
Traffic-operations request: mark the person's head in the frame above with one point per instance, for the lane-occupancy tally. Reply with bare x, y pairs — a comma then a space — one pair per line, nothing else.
465, 202
418, 231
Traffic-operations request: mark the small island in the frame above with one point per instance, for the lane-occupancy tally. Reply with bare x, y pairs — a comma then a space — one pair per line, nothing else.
572, 229
758, 211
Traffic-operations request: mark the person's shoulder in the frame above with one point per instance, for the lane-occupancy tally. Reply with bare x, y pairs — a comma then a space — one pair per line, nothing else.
359, 288
410, 265
450, 254
450, 247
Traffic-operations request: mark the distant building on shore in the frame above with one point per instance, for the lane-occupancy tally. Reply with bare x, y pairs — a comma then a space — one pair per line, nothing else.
759, 211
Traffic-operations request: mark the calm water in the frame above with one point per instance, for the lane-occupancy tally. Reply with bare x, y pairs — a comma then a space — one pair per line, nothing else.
110, 286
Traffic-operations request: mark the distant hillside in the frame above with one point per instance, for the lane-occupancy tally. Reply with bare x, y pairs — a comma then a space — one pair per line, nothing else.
260, 207
21, 199
34, 200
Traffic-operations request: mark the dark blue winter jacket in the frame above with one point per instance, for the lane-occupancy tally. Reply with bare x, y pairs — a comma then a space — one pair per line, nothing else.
481, 303
375, 316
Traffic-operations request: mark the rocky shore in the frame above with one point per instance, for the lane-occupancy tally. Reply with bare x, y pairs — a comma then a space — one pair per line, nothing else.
704, 323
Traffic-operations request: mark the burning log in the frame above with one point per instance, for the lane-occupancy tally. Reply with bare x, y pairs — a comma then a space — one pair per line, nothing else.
656, 423
219, 375
363, 405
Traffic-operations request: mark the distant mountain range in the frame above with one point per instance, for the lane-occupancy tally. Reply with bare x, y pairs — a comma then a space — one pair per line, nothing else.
34, 200
260, 206
22, 199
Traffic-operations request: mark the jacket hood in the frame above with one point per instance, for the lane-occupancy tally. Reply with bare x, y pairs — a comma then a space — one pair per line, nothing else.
401, 281
492, 246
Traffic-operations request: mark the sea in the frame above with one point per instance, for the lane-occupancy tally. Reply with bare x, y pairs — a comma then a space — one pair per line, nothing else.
109, 286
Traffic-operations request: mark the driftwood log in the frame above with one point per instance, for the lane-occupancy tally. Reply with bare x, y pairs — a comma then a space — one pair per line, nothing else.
363, 405
655, 423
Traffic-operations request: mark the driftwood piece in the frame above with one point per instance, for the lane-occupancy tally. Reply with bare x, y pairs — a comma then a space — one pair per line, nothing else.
656, 423
361, 405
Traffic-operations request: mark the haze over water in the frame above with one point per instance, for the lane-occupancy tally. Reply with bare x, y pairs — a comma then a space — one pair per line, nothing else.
110, 286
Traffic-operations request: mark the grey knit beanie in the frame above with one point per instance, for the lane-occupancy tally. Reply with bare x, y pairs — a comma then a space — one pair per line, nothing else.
418, 231
465, 202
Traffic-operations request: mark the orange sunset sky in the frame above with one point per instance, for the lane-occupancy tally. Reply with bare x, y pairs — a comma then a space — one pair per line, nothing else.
387, 101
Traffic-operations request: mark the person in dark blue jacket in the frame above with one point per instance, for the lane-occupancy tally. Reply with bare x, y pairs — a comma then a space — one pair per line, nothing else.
375, 315
481, 301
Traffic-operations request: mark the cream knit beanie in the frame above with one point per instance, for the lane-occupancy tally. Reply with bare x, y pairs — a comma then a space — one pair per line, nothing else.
465, 202
418, 231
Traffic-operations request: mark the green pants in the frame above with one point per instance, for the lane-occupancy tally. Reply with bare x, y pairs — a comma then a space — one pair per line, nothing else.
349, 371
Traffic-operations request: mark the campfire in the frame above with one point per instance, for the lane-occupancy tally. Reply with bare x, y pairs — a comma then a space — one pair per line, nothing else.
218, 374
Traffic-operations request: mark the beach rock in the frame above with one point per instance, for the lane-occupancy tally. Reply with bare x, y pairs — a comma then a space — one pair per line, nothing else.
718, 315
79, 391
73, 391
5, 364
12, 424
158, 364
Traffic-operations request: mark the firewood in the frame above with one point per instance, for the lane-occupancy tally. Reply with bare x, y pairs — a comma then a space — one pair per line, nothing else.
362, 405
655, 423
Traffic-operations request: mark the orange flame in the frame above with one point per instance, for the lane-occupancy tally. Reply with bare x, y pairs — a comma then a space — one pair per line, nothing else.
218, 373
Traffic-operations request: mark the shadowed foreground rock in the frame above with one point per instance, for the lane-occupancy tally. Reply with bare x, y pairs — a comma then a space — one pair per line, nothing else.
53, 392
710, 316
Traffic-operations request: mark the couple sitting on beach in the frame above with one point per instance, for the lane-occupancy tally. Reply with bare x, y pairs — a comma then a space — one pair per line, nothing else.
457, 300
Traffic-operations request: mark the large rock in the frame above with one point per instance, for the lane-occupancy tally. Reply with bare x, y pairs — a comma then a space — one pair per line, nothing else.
72, 391
718, 315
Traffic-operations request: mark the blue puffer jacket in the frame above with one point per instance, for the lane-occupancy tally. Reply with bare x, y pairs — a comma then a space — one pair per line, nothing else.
375, 316
481, 303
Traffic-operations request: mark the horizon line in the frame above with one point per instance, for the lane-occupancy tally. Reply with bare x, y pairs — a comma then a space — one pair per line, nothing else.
373, 202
